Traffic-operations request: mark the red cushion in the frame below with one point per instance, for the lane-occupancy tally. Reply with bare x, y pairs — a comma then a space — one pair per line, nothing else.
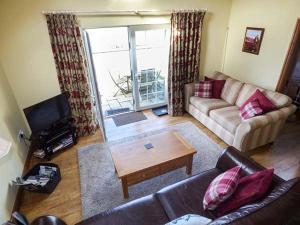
250, 110
204, 89
217, 87
221, 188
250, 189
266, 104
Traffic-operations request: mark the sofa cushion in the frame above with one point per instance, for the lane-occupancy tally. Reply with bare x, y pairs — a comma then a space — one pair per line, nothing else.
245, 93
251, 109
265, 103
250, 189
221, 188
186, 197
146, 210
228, 117
279, 99
217, 87
204, 89
190, 219
205, 104
231, 90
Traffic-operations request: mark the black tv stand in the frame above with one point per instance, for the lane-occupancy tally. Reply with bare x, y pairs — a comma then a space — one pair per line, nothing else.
59, 137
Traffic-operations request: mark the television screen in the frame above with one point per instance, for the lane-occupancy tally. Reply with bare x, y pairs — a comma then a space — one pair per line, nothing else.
43, 115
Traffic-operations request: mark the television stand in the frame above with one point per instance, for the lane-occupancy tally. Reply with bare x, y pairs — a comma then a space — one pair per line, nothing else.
49, 142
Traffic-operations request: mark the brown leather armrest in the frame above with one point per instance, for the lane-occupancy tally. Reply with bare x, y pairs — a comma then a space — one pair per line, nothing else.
146, 210
232, 157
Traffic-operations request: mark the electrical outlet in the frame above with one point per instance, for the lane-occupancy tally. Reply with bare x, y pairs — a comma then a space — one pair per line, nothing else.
20, 135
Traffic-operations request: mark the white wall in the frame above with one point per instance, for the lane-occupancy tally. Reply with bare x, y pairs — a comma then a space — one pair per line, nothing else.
12, 164
29, 73
279, 19
25, 47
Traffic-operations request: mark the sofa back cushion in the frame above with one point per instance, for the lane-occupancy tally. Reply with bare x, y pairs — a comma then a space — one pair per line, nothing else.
279, 99
219, 76
236, 92
248, 90
231, 90
250, 189
245, 93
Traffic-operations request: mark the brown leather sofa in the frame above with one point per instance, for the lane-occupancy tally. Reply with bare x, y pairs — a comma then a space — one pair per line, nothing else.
281, 206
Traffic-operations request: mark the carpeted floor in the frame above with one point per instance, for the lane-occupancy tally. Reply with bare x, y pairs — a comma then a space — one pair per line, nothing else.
100, 187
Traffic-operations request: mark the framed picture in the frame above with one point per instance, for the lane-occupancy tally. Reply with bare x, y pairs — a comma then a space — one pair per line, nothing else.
253, 39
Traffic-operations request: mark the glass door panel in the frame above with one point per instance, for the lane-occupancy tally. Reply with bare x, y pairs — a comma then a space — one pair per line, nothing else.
131, 66
110, 53
151, 55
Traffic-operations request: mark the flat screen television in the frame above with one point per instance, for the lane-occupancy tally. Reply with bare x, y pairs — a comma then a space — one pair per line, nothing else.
45, 114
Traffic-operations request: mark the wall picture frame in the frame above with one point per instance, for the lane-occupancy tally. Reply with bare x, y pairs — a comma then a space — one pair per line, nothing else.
252, 40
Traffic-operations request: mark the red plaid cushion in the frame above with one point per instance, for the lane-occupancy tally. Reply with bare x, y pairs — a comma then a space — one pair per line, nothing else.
250, 110
204, 89
221, 188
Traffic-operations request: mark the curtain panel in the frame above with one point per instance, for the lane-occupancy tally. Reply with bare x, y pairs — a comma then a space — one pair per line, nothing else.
72, 71
184, 57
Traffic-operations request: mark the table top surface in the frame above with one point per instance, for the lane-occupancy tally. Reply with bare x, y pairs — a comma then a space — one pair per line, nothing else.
134, 156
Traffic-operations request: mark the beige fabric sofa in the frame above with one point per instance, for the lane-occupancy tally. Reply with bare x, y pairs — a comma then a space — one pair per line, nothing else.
222, 117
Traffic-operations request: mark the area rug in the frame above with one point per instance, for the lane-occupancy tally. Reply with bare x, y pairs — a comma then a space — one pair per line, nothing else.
100, 187
128, 118
111, 112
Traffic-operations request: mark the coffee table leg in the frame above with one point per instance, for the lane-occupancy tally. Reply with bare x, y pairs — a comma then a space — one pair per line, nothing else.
125, 187
189, 165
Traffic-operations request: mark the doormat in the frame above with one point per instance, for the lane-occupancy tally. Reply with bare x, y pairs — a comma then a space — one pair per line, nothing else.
160, 111
128, 118
111, 112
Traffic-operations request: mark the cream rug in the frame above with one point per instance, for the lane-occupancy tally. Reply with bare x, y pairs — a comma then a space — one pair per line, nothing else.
100, 187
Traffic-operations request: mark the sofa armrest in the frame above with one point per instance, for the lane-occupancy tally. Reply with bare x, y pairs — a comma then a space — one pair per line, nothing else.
145, 210
189, 91
275, 118
271, 117
232, 157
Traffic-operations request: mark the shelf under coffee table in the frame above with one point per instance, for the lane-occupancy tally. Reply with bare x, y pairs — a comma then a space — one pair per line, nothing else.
135, 163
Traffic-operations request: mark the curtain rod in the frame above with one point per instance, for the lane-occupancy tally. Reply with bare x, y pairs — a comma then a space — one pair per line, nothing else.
123, 12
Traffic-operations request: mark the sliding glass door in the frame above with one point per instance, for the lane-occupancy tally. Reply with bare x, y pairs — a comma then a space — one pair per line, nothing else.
149, 64
131, 65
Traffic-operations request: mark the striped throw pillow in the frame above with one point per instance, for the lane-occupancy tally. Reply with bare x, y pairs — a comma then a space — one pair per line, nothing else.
203, 89
221, 188
250, 110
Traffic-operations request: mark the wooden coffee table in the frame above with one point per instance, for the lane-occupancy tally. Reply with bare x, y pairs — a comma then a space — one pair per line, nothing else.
135, 163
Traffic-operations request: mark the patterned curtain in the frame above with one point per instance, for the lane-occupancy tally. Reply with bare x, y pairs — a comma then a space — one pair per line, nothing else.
184, 58
72, 72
